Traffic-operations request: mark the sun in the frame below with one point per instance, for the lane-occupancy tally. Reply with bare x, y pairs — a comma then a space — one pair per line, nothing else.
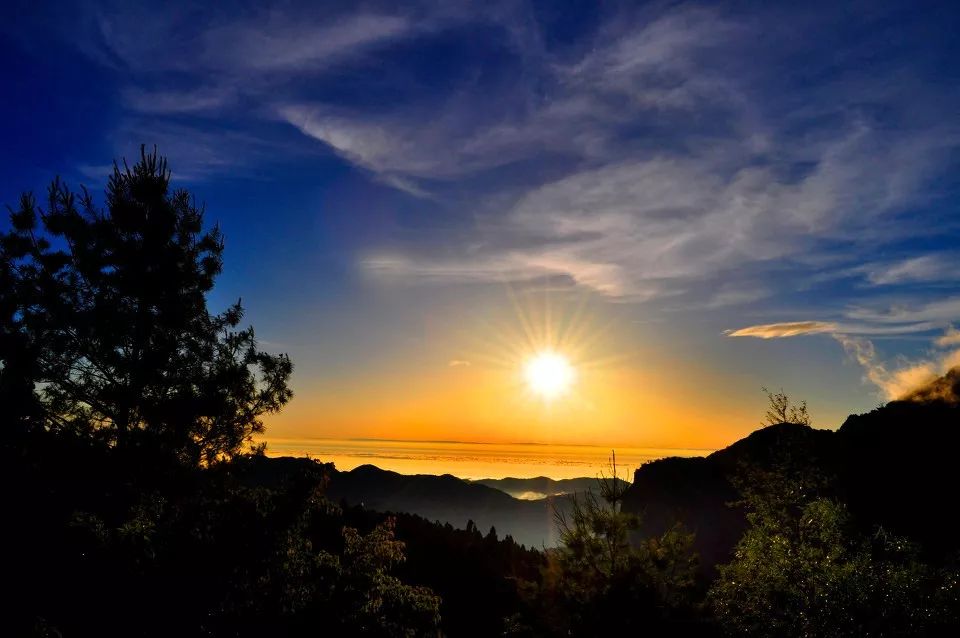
549, 374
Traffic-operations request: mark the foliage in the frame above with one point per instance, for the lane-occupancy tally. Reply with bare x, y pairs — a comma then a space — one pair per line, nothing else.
465, 566
371, 601
106, 330
817, 576
241, 560
805, 568
128, 408
603, 579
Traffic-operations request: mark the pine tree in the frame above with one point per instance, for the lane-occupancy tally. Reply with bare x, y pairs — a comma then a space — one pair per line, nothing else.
106, 330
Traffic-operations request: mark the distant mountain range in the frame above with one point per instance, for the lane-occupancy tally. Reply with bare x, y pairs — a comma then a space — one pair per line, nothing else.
448, 499
541, 486
504, 504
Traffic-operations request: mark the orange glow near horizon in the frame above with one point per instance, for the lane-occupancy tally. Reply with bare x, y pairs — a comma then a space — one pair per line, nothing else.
473, 460
545, 374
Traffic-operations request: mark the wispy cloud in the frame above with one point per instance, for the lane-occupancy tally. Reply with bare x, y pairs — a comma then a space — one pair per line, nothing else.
290, 43
904, 377
205, 99
207, 61
857, 321
924, 268
950, 338
459, 363
217, 40
660, 153
895, 380
663, 211
942, 311
783, 330
624, 225
198, 154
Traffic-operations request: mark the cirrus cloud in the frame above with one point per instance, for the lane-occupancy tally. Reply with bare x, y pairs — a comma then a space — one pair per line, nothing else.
782, 330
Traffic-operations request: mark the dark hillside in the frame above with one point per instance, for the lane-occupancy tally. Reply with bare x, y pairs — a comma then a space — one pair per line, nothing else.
461, 565
894, 466
900, 464
699, 493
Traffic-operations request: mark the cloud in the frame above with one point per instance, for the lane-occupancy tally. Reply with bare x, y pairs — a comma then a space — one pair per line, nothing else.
459, 363
214, 40
727, 296
179, 63
503, 268
782, 330
894, 382
98, 172
916, 269
950, 338
198, 154
479, 127
200, 100
368, 144
284, 44
656, 66
796, 328
448, 144
635, 215
905, 378
898, 319
942, 311
620, 227
628, 160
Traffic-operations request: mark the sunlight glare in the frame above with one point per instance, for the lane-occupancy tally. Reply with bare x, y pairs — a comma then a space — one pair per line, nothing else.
549, 374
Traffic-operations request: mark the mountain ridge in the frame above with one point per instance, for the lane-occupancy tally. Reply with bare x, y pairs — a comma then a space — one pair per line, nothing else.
891, 465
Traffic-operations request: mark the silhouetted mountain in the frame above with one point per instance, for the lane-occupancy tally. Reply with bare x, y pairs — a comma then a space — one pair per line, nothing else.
447, 499
894, 467
540, 486
899, 464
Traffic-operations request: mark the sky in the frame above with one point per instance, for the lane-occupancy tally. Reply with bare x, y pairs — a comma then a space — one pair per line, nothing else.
689, 201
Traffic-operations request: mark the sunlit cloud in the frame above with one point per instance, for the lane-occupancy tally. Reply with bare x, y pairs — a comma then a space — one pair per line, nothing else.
782, 330
950, 338
904, 377
894, 381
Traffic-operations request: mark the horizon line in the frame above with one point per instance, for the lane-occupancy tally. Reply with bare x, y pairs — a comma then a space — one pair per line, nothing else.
457, 442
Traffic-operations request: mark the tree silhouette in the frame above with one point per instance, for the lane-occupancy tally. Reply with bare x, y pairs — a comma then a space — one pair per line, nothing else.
810, 572
782, 410
806, 567
370, 601
602, 569
127, 408
106, 330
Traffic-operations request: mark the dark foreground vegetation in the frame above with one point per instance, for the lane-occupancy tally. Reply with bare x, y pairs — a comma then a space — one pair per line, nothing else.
137, 503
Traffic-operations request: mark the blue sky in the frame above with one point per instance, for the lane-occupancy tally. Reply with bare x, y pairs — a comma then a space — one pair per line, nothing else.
388, 174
